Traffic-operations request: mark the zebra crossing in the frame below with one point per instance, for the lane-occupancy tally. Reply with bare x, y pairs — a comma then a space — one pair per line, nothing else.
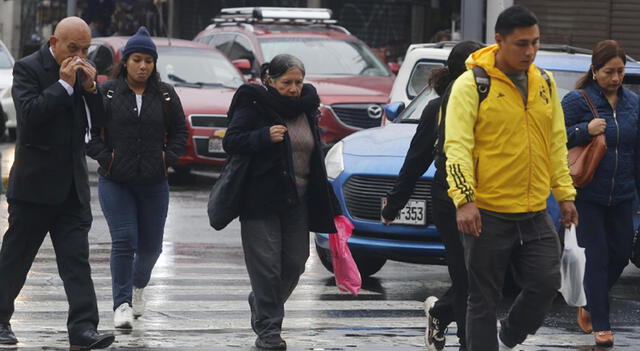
198, 298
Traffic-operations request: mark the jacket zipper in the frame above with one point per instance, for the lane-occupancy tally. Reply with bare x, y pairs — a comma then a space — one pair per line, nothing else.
615, 168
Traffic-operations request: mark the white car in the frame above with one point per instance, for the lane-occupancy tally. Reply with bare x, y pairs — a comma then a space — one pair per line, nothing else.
6, 80
419, 60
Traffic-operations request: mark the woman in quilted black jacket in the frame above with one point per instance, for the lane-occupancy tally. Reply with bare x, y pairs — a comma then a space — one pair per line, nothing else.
145, 133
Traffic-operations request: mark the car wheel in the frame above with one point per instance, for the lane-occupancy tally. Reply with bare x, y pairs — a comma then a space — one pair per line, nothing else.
367, 265
325, 258
181, 176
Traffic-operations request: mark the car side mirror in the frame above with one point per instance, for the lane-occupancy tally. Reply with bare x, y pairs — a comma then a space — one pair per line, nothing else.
102, 78
394, 67
392, 110
243, 65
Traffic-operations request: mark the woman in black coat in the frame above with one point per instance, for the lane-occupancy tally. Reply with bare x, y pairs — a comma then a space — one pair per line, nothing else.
145, 133
286, 194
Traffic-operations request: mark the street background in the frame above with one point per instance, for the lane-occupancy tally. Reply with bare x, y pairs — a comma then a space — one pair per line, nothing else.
197, 298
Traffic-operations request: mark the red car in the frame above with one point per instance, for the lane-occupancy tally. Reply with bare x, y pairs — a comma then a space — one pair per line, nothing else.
204, 79
353, 84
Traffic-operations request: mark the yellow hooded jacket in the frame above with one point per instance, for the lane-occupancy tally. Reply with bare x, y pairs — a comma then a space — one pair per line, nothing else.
505, 156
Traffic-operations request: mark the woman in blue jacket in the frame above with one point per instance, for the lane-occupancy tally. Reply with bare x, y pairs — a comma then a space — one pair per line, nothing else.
605, 204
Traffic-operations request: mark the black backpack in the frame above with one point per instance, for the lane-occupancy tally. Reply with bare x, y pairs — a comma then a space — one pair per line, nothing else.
483, 84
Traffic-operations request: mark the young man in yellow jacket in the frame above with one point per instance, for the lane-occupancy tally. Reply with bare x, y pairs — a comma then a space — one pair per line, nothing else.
504, 155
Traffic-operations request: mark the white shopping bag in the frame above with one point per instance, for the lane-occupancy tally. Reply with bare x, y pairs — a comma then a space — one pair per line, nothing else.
572, 270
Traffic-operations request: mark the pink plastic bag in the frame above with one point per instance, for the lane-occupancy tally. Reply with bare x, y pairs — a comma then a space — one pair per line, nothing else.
344, 267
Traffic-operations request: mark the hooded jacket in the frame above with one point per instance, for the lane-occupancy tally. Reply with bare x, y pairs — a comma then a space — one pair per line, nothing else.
504, 155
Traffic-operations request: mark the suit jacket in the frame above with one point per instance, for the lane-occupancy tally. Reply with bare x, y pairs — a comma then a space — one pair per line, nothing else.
50, 145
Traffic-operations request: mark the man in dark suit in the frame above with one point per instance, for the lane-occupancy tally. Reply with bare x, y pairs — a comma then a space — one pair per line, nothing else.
54, 92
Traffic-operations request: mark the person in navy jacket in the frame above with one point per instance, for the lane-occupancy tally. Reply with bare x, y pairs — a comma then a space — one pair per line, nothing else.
605, 204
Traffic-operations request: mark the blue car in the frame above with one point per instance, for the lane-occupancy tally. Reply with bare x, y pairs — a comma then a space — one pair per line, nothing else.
364, 166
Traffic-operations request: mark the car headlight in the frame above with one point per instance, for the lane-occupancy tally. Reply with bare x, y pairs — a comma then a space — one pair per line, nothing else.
334, 161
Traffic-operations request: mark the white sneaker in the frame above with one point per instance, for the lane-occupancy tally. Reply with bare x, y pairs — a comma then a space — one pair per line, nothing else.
434, 337
138, 302
122, 317
502, 346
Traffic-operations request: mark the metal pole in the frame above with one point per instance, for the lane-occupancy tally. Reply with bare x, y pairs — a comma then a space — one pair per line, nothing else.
494, 7
171, 19
71, 7
472, 20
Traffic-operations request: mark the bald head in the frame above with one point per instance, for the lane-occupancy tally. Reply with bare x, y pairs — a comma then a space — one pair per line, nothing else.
71, 37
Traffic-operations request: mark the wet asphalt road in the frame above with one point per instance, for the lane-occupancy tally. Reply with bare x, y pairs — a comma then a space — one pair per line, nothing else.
197, 296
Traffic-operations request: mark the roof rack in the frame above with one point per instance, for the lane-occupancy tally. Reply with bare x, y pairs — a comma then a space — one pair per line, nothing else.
294, 15
565, 48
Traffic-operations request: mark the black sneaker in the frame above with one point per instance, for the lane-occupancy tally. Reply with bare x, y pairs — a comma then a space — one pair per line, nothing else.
434, 334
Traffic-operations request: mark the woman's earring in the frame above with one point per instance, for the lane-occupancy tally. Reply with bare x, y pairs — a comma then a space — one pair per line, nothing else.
594, 76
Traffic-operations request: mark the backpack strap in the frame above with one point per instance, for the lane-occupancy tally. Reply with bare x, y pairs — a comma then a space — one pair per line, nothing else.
483, 83
546, 77
108, 109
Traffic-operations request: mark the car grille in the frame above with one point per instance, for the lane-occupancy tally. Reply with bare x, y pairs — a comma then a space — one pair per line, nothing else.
363, 194
202, 149
356, 115
208, 121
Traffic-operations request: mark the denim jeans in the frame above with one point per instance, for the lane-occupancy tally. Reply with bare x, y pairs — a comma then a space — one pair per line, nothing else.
136, 214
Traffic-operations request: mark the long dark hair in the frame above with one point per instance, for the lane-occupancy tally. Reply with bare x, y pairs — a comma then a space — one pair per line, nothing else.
119, 70
602, 53
441, 77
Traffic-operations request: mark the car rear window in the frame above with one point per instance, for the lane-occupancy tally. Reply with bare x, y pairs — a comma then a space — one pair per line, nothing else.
326, 56
420, 75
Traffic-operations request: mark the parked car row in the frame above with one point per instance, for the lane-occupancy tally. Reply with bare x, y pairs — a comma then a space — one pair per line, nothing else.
353, 84
361, 175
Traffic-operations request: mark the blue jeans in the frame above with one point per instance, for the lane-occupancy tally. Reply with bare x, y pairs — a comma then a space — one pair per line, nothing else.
136, 214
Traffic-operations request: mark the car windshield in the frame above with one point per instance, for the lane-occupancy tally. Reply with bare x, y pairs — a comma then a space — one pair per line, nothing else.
197, 68
326, 56
5, 59
565, 82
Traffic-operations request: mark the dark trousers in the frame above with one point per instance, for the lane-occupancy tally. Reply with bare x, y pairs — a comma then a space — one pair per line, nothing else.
532, 249
136, 214
452, 306
606, 233
68, 225
276, 248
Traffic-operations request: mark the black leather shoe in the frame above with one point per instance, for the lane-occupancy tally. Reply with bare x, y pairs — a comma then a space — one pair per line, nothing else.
274, 342
7, 337
90, 339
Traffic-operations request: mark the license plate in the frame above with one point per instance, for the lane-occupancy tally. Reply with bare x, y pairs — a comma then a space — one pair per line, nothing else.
413, 213
215, 146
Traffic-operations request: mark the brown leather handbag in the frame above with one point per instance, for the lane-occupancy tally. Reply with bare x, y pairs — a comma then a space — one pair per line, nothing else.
583, 160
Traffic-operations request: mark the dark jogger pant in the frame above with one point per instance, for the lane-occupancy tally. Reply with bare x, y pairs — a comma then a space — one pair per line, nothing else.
606, 233
452, 306
532, 249
276, 248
